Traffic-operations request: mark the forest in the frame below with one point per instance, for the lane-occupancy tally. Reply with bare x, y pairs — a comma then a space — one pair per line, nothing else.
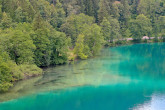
42, 33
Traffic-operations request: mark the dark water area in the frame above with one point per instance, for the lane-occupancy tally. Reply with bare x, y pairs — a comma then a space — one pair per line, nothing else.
122, 78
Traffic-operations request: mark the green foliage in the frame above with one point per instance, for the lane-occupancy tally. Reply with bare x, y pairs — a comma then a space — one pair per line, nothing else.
93, 39
60, 14
151, 8
28, 71
115, 30
6, 21
83, 24
79, 48
1, 12
20, 16
5, 75
140, 27
103, 10
30, 31
18, 43
106, 29
115, 10
42, 43
59, 47
75, 24
38, 22
161, 25
10, 71
21, 47
126, 33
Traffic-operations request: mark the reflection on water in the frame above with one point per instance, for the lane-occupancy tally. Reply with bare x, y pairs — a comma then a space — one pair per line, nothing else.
122, 78
156, 102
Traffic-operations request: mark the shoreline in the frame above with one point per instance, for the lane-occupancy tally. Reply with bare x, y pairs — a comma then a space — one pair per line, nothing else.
72, 61
33, 79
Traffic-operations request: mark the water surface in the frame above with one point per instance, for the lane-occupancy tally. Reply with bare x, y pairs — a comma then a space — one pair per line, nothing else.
122, 78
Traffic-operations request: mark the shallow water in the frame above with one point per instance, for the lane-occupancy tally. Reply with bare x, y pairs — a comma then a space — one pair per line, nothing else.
122, 78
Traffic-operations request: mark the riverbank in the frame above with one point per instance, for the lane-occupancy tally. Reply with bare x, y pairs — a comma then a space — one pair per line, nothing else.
115, 68
130, 41
28, 72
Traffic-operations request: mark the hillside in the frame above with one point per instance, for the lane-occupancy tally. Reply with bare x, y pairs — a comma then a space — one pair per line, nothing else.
40, 33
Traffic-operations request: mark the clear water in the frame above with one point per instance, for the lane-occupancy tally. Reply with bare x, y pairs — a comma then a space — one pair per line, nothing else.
122, 78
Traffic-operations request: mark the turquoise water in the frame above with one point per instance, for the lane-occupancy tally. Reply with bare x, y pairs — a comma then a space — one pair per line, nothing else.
122, 78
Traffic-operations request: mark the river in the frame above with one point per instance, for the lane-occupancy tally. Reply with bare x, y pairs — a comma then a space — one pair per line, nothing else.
121, 78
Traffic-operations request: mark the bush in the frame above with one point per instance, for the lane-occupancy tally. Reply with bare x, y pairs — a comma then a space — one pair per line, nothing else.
24, 71
5, 74
29, 70
10, 72
5, 77
5, 86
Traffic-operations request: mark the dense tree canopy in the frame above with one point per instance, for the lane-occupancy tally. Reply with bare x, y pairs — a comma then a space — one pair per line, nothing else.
141, 26
39, 33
